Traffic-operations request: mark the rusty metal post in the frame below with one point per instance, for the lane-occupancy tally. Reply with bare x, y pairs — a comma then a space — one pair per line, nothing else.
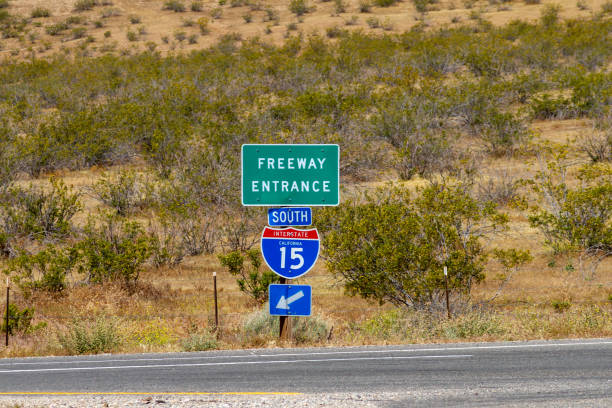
446, 287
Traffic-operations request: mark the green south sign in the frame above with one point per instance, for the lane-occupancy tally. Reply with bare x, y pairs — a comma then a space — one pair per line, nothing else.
290, 174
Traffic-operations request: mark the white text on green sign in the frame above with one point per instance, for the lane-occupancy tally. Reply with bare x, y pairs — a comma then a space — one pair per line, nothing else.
290, 174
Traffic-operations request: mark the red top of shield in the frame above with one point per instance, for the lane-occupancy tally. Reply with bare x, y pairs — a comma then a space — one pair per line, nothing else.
290, 233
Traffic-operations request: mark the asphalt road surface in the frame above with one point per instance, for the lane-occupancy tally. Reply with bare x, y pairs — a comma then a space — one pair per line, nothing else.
564, 372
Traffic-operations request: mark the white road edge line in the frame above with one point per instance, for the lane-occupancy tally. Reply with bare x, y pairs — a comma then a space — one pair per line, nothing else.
226, 363
315, 353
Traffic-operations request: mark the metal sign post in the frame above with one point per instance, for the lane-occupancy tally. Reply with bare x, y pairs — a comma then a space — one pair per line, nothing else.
7, 311
446, 288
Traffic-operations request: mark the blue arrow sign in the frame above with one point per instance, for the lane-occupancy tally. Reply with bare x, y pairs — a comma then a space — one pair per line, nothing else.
290, 216
290, 300
290, 252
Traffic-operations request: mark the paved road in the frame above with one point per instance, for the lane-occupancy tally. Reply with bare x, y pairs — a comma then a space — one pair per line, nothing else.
568, 372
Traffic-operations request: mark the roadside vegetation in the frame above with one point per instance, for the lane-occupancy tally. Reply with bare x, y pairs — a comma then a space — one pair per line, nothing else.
119, 186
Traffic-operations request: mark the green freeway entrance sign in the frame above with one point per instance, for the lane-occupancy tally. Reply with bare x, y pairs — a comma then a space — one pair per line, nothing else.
290, 174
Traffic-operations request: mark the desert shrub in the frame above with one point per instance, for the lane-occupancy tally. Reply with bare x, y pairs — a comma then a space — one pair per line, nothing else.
84, 5
200, 342
404, 266
298, 7
502, 133
597, 145
78, 32
573, 218
77, 140
101, 336
72, 20
550, 15
473, 325
365, 6
134, 19
108, 12
373, 22
166, 246
216, 13
259, 328
39, 12
125, 191
547, 107
312, 329
251, 280
384, 3
560, 306
420, 5
4, 4
339, 6
40, 214
203, 25
174, 5
424, 153
501, 188
55, 29
114, 250
197, 6
19, 320
131, 36
591, 93
44, 271
333, 32
606, 7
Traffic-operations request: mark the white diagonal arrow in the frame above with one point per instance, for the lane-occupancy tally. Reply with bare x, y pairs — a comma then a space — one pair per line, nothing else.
284, 303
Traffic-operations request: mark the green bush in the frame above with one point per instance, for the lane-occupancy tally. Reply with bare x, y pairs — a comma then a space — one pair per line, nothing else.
312, 329
55, 29
197, 6
420, 5
175, 5
115, 250
45, 270
298, 7
40, 214
19, 320
78, 32
39, 12
473, 325
259, 328
573, 217
102, 336
125, 191
550, 15
384, 3
84, 5
251, 280
200, 342
503, 133
404, 265
546, 107
4, 4
560, 306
